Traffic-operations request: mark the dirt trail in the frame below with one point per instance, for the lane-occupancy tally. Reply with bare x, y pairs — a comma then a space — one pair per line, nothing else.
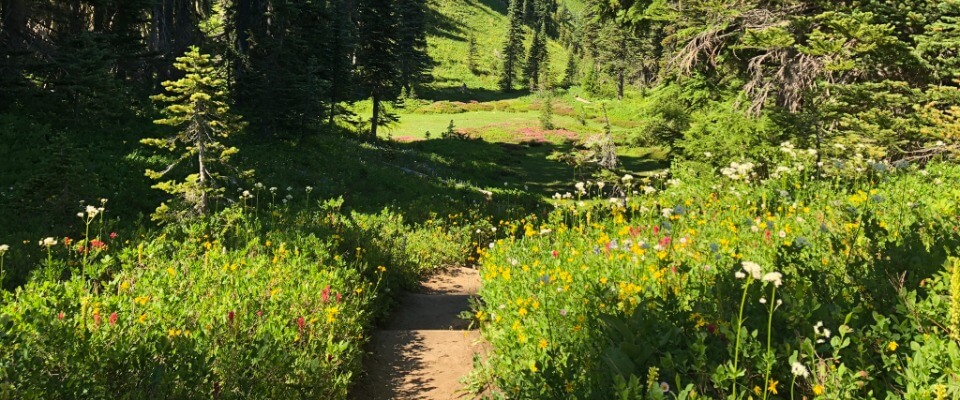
424, 351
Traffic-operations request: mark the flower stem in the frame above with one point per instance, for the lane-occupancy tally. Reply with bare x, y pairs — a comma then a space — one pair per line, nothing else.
793, 383
736, 349
768, 367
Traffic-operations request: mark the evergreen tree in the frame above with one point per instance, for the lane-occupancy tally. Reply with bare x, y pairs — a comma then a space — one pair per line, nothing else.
377, 58
415, 62
196, 105
338, 64
939, 45
536, 57
512, 45
472, 55
570, 72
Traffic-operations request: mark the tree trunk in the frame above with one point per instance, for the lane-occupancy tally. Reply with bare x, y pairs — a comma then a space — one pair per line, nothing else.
333, 109
375, 119
621, 78
203, 179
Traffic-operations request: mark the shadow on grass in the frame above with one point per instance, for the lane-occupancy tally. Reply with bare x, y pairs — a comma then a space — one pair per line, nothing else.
429, 178
457, 93
500, 6
443, 26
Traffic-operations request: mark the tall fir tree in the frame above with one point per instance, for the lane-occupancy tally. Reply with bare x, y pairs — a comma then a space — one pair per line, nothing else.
939, 45
377, 59
537, 57
338, 65
197, 106
512, 45
415, 62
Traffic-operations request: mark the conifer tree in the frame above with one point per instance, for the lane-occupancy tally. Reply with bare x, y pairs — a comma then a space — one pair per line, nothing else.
196, 105
512, 46
939, 45
377, 59
537, 56
472, 55
338, 64
415, 62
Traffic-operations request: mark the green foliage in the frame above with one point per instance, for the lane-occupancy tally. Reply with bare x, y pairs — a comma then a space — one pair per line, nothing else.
939, 44
688, 277
546, 109
197, 107
537, 60
512, 46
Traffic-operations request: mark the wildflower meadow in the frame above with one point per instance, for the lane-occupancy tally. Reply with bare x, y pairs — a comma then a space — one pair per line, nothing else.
698, 287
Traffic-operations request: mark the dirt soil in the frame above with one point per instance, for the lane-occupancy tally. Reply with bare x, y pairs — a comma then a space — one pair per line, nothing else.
425, 349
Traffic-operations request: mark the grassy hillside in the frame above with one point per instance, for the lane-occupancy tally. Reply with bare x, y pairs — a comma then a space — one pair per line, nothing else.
454, 22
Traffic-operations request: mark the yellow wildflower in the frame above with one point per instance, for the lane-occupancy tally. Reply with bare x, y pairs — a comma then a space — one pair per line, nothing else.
892, 346
817, 389
772, 386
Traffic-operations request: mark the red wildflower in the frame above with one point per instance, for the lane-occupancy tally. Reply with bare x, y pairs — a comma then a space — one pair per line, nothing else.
97, 319
259, 313
113, 235
60, 315
301, 323
67, 241
325, 294
665, 241
766, 233
656, 230
634, 231
230, 315
113, 318
97, 244
555, 253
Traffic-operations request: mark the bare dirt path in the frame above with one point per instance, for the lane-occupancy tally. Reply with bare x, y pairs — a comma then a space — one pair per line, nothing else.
425, 349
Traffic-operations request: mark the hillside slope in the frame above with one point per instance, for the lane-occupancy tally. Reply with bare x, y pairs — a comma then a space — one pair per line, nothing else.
453, 23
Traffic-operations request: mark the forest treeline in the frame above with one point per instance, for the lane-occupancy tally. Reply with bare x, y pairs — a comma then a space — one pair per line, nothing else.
290, 64
732, 78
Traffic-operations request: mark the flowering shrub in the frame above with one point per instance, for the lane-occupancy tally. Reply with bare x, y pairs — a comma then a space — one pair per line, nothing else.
248, 303
719, 288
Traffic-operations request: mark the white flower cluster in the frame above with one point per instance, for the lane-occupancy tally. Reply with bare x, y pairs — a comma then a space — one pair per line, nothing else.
739, 171
821, 332
48, 242
799, 370
755, 271
4, 248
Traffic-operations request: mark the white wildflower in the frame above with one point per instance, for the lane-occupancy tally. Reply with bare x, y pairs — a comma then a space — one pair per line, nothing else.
753, 269
48, 242
4, 248
799, 370
774, 277
740, 275
627, 178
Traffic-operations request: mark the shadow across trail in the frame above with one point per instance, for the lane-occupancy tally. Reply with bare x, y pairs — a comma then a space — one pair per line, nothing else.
425, 349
